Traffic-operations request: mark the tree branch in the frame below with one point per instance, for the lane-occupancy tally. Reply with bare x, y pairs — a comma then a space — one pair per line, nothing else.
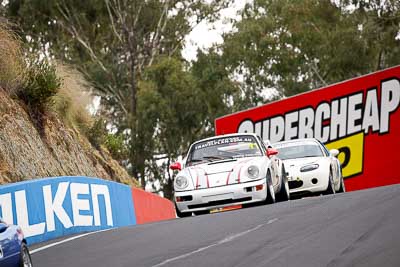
75, 34
110, 15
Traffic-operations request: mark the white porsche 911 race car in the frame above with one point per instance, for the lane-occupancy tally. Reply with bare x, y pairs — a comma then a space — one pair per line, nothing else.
228, 170
310, 167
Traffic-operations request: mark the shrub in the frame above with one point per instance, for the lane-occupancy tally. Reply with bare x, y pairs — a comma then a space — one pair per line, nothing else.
41, 85
97, 133
115, 144
73, 98
34, 81
12, 65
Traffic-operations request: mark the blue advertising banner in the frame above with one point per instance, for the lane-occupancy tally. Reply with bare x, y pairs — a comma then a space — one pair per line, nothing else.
53, 207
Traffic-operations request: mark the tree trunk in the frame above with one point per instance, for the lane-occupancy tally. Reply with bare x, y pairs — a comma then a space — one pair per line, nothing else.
168, 188
379, 64
133, 122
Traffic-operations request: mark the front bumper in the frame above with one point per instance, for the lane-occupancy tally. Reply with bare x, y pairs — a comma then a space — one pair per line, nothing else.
222, 196
311, 181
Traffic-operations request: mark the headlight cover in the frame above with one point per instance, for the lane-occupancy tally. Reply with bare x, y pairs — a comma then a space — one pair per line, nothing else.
181, 182
253, 171
308, 168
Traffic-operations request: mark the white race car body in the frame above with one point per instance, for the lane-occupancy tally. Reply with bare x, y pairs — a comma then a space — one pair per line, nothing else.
225, 181
312, 172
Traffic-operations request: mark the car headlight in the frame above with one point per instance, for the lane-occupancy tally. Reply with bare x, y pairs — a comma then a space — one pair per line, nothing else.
253, 171
181, 182
308, 168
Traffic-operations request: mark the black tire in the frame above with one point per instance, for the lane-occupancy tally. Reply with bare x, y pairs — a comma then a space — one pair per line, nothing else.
25, 257
342, 187
283, 194
182, 214
330, 190
270, 190
201, 212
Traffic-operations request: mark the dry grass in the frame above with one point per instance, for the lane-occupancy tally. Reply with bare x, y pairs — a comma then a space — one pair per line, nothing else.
72, 99
12, 65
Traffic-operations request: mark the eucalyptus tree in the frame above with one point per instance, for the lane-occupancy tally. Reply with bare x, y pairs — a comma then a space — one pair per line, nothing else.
296, 45
112, 42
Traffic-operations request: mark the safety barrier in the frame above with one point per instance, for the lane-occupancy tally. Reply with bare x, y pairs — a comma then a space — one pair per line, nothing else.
151, 208
53, 207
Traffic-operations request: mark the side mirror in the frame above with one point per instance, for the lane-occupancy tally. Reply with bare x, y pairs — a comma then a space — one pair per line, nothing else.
176, 166
334, 152
271, 152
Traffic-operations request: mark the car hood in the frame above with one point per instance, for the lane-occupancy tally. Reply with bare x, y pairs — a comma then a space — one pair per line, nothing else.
221, 166
221, 172
300, 161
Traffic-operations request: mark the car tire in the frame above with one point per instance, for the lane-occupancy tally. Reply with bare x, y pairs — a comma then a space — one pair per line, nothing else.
25, 256
182, 214
342, 187
284, 194
201, 212
270, 190
330, 190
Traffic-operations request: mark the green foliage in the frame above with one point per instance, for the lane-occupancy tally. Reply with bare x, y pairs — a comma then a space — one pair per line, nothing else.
295, 46
41, 85
158, 103
97, 133
169, 106
112, 43
115, 144
219, 94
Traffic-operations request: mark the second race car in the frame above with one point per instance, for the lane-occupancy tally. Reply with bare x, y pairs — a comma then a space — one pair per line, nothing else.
311, 168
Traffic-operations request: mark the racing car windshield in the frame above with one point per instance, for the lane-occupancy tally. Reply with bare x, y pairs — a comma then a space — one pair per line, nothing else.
294, 151
224, 148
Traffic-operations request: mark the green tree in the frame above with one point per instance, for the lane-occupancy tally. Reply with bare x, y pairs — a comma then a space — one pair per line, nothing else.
219, 93
112, 42
177, 106
378, 23
297, 45
171, 114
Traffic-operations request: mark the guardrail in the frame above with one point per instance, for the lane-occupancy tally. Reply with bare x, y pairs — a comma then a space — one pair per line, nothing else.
53, 207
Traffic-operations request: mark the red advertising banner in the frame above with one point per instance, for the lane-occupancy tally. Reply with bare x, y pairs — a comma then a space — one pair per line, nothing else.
359, 117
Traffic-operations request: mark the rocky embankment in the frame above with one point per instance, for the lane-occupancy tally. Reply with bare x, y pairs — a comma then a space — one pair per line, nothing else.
55, 150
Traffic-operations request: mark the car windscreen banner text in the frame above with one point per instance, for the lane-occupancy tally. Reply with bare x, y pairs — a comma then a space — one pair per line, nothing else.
229, 140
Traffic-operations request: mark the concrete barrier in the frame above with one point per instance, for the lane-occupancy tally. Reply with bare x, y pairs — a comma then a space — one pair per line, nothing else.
53, 207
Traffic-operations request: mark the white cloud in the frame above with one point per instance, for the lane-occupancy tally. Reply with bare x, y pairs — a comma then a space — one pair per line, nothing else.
205, 35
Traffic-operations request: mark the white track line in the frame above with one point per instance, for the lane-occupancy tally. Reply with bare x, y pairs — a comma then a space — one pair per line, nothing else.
225, 240
67, 240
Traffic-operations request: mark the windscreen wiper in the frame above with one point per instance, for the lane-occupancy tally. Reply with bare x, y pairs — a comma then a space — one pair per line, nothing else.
196, 160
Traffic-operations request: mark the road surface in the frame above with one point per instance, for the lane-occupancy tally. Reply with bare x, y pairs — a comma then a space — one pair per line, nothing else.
359, 228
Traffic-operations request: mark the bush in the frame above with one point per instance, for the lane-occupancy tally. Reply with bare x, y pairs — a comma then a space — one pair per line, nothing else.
12, 65
97, 133
34, 82
115, 144
41, 85
73, 98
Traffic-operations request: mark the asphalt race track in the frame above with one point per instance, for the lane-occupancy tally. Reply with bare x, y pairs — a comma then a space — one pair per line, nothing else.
360, 228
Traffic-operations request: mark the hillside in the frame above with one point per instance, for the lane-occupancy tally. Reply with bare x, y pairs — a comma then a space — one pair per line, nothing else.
55, 150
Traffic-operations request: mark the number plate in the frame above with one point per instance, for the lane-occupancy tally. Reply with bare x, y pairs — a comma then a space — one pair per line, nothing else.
235, 207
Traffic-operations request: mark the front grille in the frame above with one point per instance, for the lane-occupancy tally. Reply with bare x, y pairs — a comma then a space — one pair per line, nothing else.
295, 184
219, 202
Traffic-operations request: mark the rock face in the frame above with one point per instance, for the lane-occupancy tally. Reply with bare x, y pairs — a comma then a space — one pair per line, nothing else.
56, 151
